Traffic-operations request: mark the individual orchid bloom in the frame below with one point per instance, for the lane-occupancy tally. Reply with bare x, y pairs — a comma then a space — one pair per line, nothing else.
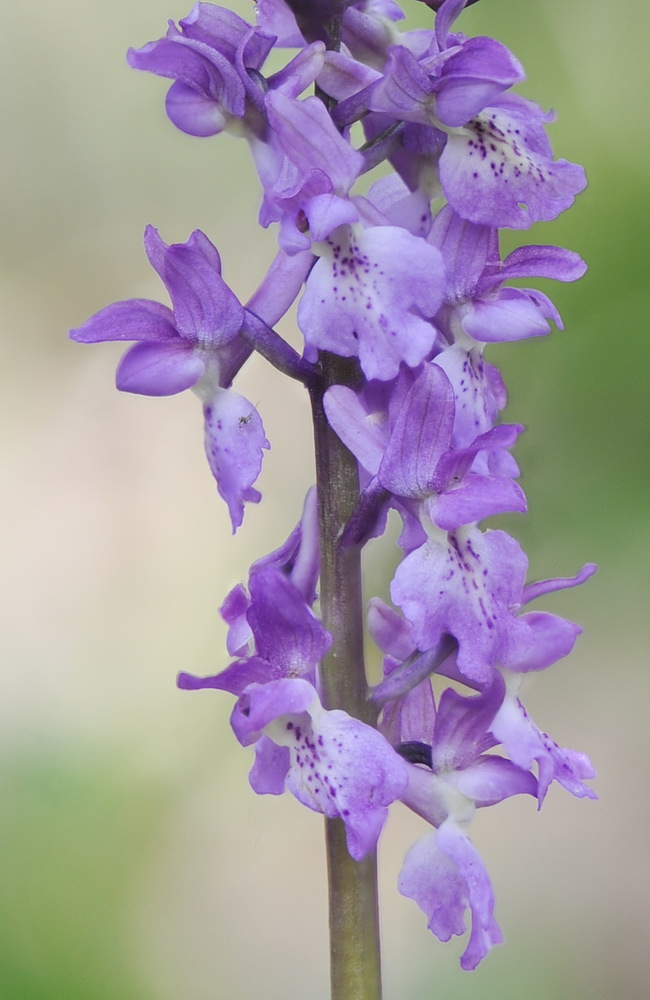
496, 166
288, 639
444, 87
331, 762
442, 871
194, 345
371, 295
554, 638
407, 452
476, 301
213, 60
470, 584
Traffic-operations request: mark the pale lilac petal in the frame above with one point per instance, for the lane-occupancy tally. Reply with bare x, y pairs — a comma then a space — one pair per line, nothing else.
525, 744
300, 72
478, 390
234, 440
134, 319
466, 587
326, 212
275, 17
159, 369
492, 779
366, 297
390, 630
444, 874
362, 432
493, 173
485, 932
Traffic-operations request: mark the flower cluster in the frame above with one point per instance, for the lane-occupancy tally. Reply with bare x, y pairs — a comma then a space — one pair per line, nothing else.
407, 281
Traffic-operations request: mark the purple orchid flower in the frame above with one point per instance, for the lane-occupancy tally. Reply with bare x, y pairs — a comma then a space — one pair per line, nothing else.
476, 301
470, 585
496, 165
213, 60
442, 871
331, 762
195, 345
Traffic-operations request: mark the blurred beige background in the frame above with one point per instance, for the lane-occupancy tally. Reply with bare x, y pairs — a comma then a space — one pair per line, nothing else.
136, 862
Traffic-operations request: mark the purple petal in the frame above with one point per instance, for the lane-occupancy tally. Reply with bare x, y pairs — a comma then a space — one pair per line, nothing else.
462, 727
466, 249
508, 315
225, 31
359, 430
535, 590
552, 638
286, 632
235, 678
234, 439
472, 78
159, 369
420, 436
193, 112
134, 319
311, 140
543, 262
206, 311
476, 498
367, 295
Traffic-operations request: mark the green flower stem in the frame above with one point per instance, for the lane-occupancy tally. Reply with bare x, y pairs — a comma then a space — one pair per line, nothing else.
353, 899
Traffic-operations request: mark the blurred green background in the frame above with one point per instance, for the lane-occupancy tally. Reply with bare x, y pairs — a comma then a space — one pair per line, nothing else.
136, 863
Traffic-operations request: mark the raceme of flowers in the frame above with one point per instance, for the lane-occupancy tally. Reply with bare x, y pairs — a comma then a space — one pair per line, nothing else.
408, 280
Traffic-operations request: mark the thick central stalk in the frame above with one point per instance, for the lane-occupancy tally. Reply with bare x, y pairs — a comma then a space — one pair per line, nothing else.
353, 901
